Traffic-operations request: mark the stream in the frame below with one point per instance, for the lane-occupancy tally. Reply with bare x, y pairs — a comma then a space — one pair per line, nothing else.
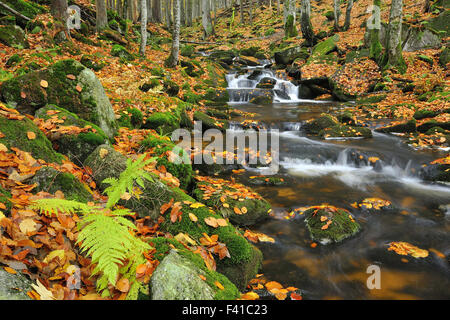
327, 171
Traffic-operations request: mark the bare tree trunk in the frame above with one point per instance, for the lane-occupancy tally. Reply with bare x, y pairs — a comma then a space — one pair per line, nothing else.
206, 19
348, 14
143, 27
251, 12
305, 22
182, 13
393, 55
337, 13
172, 61
102, 17
189, 12
242, 11
58, 9
167, 13
156, 10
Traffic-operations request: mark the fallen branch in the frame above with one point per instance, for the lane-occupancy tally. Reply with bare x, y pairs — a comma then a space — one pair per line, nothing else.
18, 14
197, 42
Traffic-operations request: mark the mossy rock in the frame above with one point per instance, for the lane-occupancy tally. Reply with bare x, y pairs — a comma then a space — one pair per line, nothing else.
371, 99
119, 51
27, 8
7, 20
217, 114
89, 62
177, 277
425, 113
13, 60
191, 97
84, 95
424, 127
219, 95
14, 286
288, 55
161, 147
325, 47
105, 162
13, 36
5, 197
342, 224
343, 131
257, 209
316, 125
15, 132
171, 88
436, 172
187, 51
245, 260
426, 59
409, 126
76, 146
162, 122
329, 15
131, 118
444, 57
51, 180
209, 123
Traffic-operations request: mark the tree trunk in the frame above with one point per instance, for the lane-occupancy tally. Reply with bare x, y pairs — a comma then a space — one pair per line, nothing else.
393, 55
251, 12
305, 22
143, 27
102, 17
290, 29
189, 13
374, 26
182, 13
167, 13
172, 61
348, 14
156, 11
242, 11
337, 13
59, 9
206, 19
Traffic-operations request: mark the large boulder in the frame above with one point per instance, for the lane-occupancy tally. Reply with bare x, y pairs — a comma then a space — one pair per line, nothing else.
13, 36
177, 278
440, 24
288, 55
16, 135
67, 84
14, 286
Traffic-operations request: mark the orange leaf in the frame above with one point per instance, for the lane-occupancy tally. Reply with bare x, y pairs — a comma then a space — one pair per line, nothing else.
31, 135
296, 296
123, 285
44, 84
79, 89
10, 270
273, 285
219, 285
237, 210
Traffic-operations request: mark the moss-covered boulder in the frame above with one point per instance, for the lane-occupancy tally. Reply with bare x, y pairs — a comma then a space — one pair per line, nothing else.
327, 224
178, 278
51, 180
78, 138
13, 36
343, 131
89, 61
440, 24
187, 51
325, 47
161, 147
314, 126
27, 8
131, 118
444, 56
240, 204
209, 123
162, 122
170, 87
119, 51
14, 286
15, 132
409, 126
424, 127
288, 55
67, 84
245, 259
425, 113
105, 162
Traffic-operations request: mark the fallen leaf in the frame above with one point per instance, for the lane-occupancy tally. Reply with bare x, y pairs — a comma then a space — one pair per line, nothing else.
31, 135
44, 84
123, 285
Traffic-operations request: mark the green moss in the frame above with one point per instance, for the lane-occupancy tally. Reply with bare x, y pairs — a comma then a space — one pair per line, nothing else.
51, 180
163, 122
187, 51
162, 246
371, 99
132, 119
5, 197
208, 122
119, 51
26, 8
323, 122
269, 32
341, 227
290, 29
15, 132
13, 60
345, 132
424, 113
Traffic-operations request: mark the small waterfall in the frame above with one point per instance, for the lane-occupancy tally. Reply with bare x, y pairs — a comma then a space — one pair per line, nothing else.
243, 87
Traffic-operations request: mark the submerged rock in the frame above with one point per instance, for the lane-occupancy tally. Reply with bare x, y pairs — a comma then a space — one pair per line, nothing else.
327, 224
67, 84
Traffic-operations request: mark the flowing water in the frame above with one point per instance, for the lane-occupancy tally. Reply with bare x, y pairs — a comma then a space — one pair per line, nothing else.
327, 171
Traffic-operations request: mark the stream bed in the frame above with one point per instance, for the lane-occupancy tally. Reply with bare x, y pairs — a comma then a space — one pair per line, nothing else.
326, 171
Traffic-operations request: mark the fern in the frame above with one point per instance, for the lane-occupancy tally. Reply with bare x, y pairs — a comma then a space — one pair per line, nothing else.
133, 173
106, 235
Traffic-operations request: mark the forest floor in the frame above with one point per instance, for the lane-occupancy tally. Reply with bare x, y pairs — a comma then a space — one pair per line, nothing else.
37, 251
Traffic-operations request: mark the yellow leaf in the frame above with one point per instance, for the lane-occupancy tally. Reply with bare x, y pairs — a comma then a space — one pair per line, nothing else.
103, 153
55, 253
3, 148
44, 84
193, 217
197, 205
42, 291
27, 225
31, 135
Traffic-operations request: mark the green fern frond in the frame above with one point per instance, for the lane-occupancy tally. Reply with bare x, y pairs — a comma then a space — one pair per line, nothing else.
133, 173
51, 207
